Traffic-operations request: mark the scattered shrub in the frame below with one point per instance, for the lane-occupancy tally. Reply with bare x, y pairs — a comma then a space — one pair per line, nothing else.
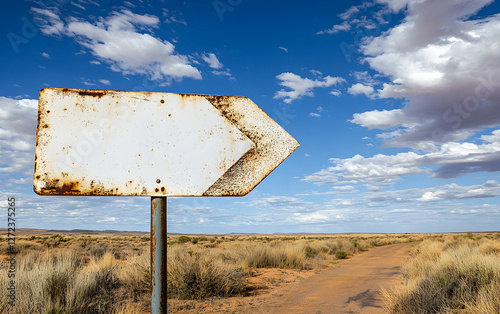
341, 254
197, 276
183, 239
310, 252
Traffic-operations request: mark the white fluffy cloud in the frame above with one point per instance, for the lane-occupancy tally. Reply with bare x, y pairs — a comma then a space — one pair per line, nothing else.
453, 159
17, 136
447, 192
335, 92
105, 82
123, 40
299, 86
360, 89
375, 172
212, 61
453, 191
320, 216
444, 64
376, 119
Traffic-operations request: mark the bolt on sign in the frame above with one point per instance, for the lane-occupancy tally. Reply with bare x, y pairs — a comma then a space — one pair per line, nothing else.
101, 142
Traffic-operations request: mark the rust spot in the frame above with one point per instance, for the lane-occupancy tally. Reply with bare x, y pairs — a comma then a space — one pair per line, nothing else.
158, 180
93, 93
58, 188
162, 101
48, 111
45, 126
157, 190
38, 177
163, 189
169, 114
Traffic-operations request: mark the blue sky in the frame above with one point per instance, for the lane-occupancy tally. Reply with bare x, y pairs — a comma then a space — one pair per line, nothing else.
395, 104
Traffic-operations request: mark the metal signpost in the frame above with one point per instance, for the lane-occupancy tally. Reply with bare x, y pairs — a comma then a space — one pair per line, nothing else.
100, 142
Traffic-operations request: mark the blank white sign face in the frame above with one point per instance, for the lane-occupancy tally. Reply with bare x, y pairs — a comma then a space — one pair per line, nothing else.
96, 142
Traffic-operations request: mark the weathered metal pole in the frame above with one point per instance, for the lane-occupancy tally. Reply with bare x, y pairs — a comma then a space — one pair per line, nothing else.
158, 255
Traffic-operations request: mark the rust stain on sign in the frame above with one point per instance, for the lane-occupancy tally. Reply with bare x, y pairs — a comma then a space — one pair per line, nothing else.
99, 142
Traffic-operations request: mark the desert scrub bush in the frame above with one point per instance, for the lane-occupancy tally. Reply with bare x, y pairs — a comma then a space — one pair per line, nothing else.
199, 274
341, 254
183, 239
275, 255
57, 284
310, 251
459, 277
136, 274
347, 245
94, 286
69, 281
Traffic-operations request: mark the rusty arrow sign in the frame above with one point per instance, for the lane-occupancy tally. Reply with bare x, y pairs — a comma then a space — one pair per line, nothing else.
101, 142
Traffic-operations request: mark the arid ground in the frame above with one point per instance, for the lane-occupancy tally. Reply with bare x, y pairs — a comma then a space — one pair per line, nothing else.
108, 272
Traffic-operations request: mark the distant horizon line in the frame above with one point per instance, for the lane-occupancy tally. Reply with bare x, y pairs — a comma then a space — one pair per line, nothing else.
89, 231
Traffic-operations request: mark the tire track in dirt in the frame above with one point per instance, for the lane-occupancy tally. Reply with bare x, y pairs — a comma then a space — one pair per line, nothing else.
353, 286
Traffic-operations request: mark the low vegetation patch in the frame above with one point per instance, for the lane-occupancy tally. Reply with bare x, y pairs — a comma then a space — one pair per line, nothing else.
341, 254
196, 276
458, 273
57, 274
202, 267
111, 274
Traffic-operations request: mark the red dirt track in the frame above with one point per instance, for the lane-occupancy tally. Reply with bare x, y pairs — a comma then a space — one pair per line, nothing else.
353, 286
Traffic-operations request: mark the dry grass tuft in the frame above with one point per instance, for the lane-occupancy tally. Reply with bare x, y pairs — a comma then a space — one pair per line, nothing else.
57, 276
456, 273
196, 275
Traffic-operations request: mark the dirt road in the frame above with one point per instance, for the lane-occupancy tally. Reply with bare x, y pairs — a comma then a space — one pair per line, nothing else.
353, 286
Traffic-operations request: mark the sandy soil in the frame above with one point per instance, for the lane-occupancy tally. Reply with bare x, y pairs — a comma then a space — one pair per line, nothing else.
349, 286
